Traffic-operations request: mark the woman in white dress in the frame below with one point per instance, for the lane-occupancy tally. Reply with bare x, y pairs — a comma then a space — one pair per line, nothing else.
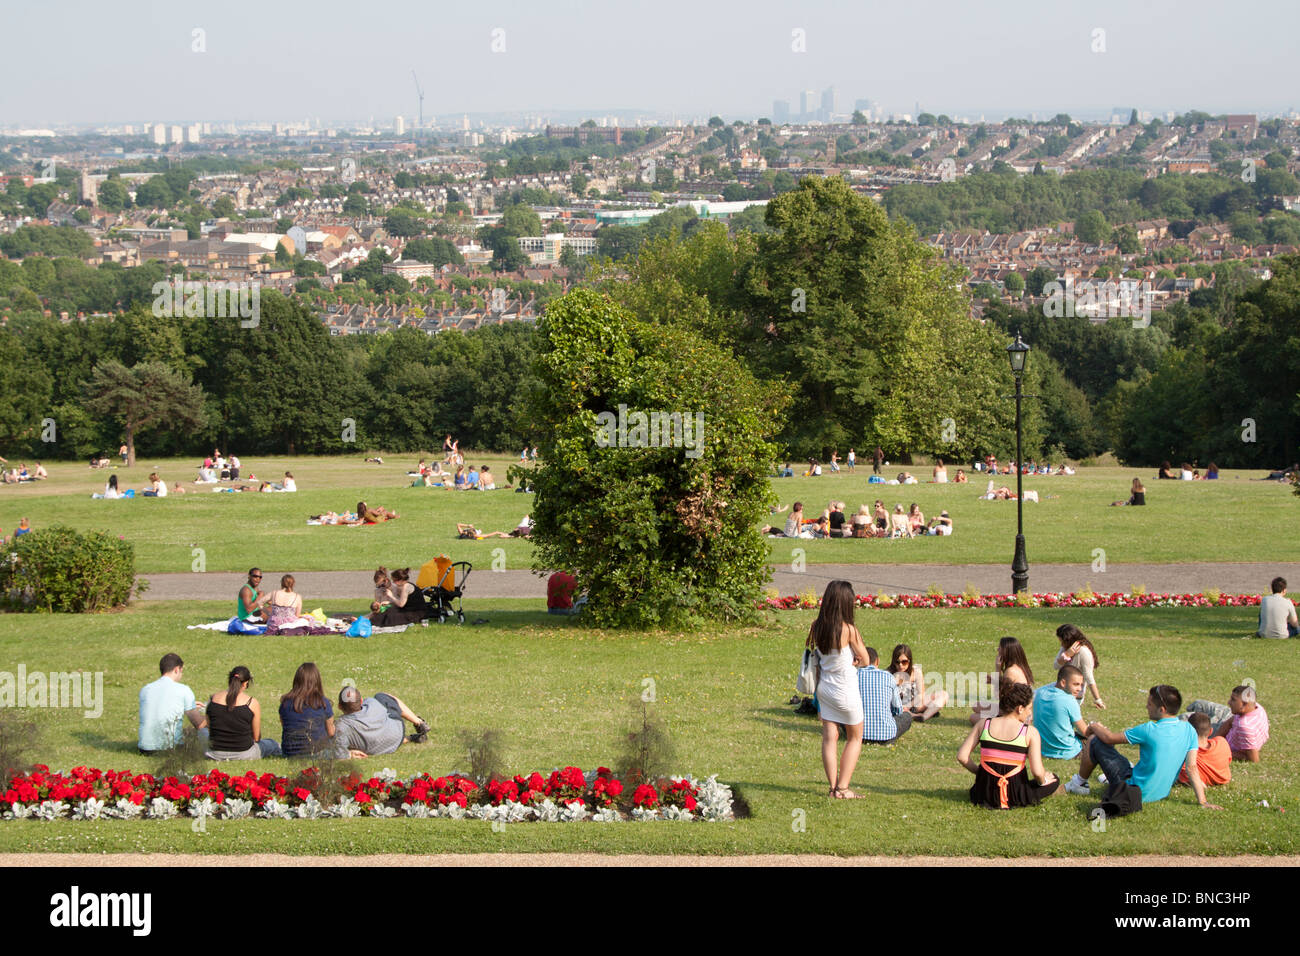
839, 650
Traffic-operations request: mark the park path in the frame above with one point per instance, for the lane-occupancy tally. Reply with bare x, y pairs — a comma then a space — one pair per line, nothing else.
186, 860
874, 578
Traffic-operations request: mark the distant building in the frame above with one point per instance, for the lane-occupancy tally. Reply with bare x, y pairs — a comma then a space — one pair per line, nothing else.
583, 134
159, 134
807, 104
399, 125
780, 112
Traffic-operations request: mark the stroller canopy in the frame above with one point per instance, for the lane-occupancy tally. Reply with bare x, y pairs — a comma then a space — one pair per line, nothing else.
435, 572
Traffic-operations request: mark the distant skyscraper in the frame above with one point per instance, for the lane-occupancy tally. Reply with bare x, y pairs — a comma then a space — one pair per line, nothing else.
399, 125
807, 104
175, 134
828, 102
159, 134
780, 111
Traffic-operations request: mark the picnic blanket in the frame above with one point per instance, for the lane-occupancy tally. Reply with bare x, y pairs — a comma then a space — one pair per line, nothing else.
301, 626
346, 518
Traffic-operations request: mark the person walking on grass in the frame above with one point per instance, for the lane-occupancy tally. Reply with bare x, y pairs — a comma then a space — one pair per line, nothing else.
839, 649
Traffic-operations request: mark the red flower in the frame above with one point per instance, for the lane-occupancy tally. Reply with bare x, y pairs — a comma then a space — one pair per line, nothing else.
302, 793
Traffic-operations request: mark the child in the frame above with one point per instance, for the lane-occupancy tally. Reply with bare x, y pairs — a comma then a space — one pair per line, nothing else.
1213, 758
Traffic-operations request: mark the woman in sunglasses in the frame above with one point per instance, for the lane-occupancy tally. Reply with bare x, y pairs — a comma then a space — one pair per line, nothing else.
911, 686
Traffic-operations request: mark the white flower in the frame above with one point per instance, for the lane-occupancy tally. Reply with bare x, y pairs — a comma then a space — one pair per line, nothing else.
606, 815
641, 813
714, 800
547, 811
275, 810
50, 810
419, 811
18, 811
387, 775
347, 807
454, 811
382, 810
88, 809
237, 809
677, 813
203, 808
310, 809
160, 808
573, 811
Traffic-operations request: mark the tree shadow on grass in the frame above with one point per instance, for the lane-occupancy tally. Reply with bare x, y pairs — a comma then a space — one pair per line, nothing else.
101, 742
789, 720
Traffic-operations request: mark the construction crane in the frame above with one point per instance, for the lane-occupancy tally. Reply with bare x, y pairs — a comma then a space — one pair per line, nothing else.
420, 93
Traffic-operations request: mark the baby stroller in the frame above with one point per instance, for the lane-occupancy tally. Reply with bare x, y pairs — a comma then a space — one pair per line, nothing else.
442, 582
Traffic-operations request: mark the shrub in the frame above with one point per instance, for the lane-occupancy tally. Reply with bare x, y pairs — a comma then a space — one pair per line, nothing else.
661, 534
57, 569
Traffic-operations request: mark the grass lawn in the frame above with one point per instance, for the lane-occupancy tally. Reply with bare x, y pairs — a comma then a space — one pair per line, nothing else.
1233, 519
564, 695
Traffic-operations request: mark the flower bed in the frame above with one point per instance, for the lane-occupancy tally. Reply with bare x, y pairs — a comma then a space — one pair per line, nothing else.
1072, 599
567, 795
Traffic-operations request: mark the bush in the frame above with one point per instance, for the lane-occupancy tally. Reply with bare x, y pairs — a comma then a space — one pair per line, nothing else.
660, 534
57, 569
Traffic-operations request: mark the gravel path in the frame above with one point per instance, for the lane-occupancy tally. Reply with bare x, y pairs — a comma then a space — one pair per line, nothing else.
894, 578
184, 860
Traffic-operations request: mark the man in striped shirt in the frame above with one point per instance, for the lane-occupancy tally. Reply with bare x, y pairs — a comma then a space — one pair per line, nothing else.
883, 717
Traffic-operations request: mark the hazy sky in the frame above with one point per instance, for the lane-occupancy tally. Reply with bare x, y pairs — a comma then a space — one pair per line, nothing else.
132, 61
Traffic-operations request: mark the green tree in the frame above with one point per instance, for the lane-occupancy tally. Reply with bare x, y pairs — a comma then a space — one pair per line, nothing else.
658, 534
869, 328
1092, 227
113, 195
143, 397
1014, 283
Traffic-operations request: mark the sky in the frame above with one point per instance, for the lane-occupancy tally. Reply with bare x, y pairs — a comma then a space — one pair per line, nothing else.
73, 61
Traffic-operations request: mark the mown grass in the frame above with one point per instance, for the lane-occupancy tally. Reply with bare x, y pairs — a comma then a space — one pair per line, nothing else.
563, 695
1233, 519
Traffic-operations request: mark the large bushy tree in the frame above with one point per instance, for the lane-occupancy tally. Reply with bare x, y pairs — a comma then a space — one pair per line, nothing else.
656, 535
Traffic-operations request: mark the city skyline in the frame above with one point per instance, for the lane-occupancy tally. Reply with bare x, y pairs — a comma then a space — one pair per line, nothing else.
247, 63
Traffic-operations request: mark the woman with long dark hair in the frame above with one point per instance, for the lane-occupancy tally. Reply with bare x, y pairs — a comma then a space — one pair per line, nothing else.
839, 649
1076, 649
306, 714
911, 685
1009, 772
1011, 666
406, 603
235, 722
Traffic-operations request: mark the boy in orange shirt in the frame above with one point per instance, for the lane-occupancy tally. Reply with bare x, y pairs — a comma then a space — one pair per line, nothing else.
1213, 758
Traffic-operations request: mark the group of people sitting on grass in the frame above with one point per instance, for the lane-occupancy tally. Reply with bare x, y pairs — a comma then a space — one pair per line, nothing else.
1018, 726
873, 522
13, 476
1187, 472
433, 476
217, 468
990, 466
229, 725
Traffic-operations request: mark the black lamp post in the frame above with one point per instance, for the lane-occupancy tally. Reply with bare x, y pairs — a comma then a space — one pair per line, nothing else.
1018, 352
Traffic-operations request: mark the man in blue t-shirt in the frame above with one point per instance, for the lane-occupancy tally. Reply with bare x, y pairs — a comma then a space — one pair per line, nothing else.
1056, 715
471, 480
1166, 743
164, 705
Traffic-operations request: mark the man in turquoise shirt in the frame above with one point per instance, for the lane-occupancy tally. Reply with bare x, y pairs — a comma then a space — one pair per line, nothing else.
1166, 743
1056, 715
164, 705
